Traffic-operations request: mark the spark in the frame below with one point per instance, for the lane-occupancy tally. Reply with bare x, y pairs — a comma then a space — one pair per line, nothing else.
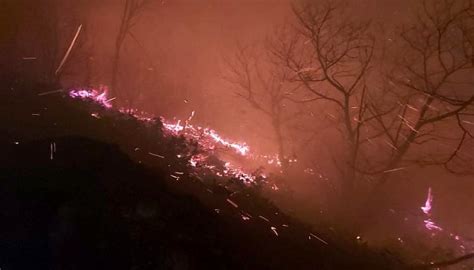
50, 92
430, 225
232, 203
408, 124
69, 50
244, 217
412, 108
391, 145
318, 238
468, 122
191, 116
155, 155
394, 170
52, 150
110, 99
274, 230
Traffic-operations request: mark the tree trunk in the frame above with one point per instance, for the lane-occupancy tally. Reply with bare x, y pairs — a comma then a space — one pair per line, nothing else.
115, 69
281, 149
123, 28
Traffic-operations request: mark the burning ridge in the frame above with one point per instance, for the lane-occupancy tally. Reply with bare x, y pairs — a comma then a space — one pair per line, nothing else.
209, 140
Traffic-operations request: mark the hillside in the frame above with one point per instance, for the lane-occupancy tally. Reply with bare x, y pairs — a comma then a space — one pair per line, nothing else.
84, 187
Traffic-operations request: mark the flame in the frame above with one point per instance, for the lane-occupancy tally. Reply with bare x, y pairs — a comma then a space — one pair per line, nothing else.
99, 97
429, 223
208, 139
429, 200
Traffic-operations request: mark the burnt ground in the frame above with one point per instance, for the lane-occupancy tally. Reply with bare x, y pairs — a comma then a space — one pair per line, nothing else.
80, 192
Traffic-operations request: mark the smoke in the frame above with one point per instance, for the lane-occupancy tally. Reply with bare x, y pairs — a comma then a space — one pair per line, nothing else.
172, 65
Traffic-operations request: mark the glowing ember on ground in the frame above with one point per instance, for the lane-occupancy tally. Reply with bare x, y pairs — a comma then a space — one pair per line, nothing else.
208, 139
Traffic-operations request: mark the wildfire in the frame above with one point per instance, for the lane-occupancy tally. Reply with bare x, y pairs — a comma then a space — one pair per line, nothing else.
208, 139
97, 96
429, 200
429, 223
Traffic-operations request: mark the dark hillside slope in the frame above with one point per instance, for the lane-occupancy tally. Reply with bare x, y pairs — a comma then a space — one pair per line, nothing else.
74, 196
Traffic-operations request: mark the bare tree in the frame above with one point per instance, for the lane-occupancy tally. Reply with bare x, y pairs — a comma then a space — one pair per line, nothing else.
426, 99
330, 56
265, 86
132, 10
432, 84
